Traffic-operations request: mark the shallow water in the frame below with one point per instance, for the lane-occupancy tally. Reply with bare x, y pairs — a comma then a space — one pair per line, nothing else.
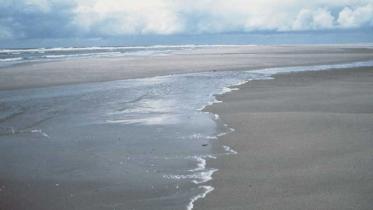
147, 137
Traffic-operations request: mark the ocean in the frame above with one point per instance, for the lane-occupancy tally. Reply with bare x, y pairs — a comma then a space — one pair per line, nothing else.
9, 57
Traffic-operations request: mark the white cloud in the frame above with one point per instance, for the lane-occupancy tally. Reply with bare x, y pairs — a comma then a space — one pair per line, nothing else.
97, 18
213, 16
128, 17
314, 20
356, 17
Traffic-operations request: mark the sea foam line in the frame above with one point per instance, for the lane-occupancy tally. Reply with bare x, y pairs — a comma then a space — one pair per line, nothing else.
59, 49
207, 190
196, 177
229, 150
11, 59
223, 91
201, 164
199, 174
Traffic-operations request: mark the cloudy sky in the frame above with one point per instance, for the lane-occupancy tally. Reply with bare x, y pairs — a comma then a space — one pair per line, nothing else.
56, 19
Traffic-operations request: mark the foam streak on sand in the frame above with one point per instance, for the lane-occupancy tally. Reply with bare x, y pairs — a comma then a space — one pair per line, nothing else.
198, 175
229, 150
13, 131
206, 190
41, 132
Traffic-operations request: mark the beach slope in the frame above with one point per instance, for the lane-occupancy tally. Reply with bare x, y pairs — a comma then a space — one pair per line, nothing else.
304, 141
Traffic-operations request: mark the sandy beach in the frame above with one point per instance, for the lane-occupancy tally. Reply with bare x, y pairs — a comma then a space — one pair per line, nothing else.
186, 105
304, 141
218, 58
90, 139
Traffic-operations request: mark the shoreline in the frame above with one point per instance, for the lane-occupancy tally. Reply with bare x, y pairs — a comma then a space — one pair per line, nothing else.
235, 106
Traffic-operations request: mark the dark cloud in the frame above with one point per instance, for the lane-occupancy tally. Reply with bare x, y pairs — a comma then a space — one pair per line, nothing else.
26, 20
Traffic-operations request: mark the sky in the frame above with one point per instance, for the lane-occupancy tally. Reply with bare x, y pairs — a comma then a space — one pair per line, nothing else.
27, 20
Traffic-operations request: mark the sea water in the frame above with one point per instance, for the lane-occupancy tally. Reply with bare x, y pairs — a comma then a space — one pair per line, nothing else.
9, 57
146, 137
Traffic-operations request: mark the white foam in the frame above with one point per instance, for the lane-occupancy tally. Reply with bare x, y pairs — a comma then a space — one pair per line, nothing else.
211, 102
79, 55
165, 119
61, 49
211, 137
229, 150
12, 131
227, 90
40, 132
225, 133
149, 53
221, 134
201, 165
196, 136
201, 162
10, 59
199, 174
197, 177
206, 190
241, 83
223, 91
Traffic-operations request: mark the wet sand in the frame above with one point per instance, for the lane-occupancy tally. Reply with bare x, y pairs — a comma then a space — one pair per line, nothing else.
304, 141
228, 58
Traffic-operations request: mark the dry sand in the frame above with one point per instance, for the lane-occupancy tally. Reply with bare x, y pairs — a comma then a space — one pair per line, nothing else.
304, 141
193, 60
